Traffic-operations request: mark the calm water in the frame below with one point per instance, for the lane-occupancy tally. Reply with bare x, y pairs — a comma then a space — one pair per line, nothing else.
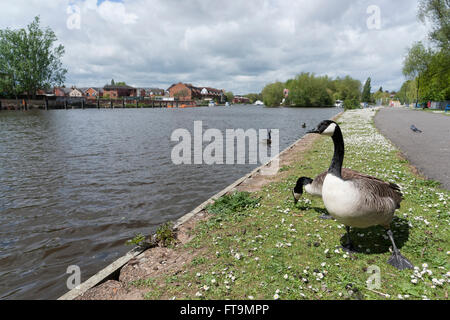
76, 184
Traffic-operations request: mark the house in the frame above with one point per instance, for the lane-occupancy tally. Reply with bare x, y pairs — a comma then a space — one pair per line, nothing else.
45, 92
114, 92
93, 92
213, 94
61, 91
150, 92
241, 99
186, 91
76, 93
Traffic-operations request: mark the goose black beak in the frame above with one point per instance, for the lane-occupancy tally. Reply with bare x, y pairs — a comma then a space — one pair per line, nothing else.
313, 131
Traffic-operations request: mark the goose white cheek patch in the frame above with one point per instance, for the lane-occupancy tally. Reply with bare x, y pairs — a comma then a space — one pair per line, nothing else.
329, 131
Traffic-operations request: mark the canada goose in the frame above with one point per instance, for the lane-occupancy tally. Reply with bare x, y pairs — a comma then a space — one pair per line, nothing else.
269, 139
304, 125
314, 187
361, 201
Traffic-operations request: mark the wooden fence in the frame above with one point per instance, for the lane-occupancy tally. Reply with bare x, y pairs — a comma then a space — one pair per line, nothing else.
85, 103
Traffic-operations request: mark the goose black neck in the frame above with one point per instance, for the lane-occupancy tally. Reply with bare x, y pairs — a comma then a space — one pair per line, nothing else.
338, 157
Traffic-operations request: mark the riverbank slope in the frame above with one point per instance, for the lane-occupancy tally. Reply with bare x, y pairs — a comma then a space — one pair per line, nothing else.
262, 246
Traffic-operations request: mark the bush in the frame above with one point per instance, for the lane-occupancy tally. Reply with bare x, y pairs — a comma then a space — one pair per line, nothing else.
351, 104
165, 235
272, 94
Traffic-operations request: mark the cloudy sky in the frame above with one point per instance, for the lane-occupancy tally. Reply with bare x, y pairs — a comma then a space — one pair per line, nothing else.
230, 44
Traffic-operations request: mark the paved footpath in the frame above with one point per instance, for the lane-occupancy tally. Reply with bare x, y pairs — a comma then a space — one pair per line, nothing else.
428, 151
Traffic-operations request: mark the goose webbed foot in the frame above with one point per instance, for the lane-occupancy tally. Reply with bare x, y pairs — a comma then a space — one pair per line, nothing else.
400, 262
325, 217
397, 260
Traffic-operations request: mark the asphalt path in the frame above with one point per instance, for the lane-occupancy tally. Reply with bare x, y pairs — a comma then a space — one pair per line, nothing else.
428, 151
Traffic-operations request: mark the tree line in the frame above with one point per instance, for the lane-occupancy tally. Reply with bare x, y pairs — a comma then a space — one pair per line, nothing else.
309, 90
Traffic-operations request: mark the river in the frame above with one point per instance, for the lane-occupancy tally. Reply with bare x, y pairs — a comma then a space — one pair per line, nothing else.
76, 184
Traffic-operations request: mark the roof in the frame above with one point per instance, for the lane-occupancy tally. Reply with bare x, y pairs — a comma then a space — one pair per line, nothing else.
199, 89
110, 87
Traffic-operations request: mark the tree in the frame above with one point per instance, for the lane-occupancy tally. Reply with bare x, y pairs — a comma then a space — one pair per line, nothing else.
254, 97
348, 89
31, 59
416, 63
366, 91
273, 94
308, 90
229, 96
438, 13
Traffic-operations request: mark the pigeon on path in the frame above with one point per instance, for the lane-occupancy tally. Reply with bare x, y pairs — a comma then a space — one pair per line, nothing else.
414, 128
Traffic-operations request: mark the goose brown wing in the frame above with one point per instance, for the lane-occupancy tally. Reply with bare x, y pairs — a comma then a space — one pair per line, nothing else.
318, 181
377, 193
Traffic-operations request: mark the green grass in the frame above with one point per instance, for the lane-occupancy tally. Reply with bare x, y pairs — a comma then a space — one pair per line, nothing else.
262, 246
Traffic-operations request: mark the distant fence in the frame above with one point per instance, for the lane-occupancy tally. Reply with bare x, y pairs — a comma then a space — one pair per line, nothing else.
85, 103
439, 105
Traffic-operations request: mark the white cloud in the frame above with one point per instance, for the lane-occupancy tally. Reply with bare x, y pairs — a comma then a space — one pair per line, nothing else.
116, 12
236, 45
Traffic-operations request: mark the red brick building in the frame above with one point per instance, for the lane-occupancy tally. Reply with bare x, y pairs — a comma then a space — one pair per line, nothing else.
92, 93
115, 92
240, 99
186, 91
62, 92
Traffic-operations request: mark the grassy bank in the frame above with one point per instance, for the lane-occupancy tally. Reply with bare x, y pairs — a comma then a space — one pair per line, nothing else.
262, 246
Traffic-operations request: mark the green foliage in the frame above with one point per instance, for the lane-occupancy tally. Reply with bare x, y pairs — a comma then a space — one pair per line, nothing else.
430, 67
29, 59
435, 81
351, 104
138, 240
417, 60
230, 96
272, 94
347, 89
254, 97
309, 90
437, 12
232, 203
165, 234
407, 93
366, 97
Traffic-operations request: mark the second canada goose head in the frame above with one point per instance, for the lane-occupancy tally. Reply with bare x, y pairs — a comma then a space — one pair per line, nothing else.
298, 189
326, 127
